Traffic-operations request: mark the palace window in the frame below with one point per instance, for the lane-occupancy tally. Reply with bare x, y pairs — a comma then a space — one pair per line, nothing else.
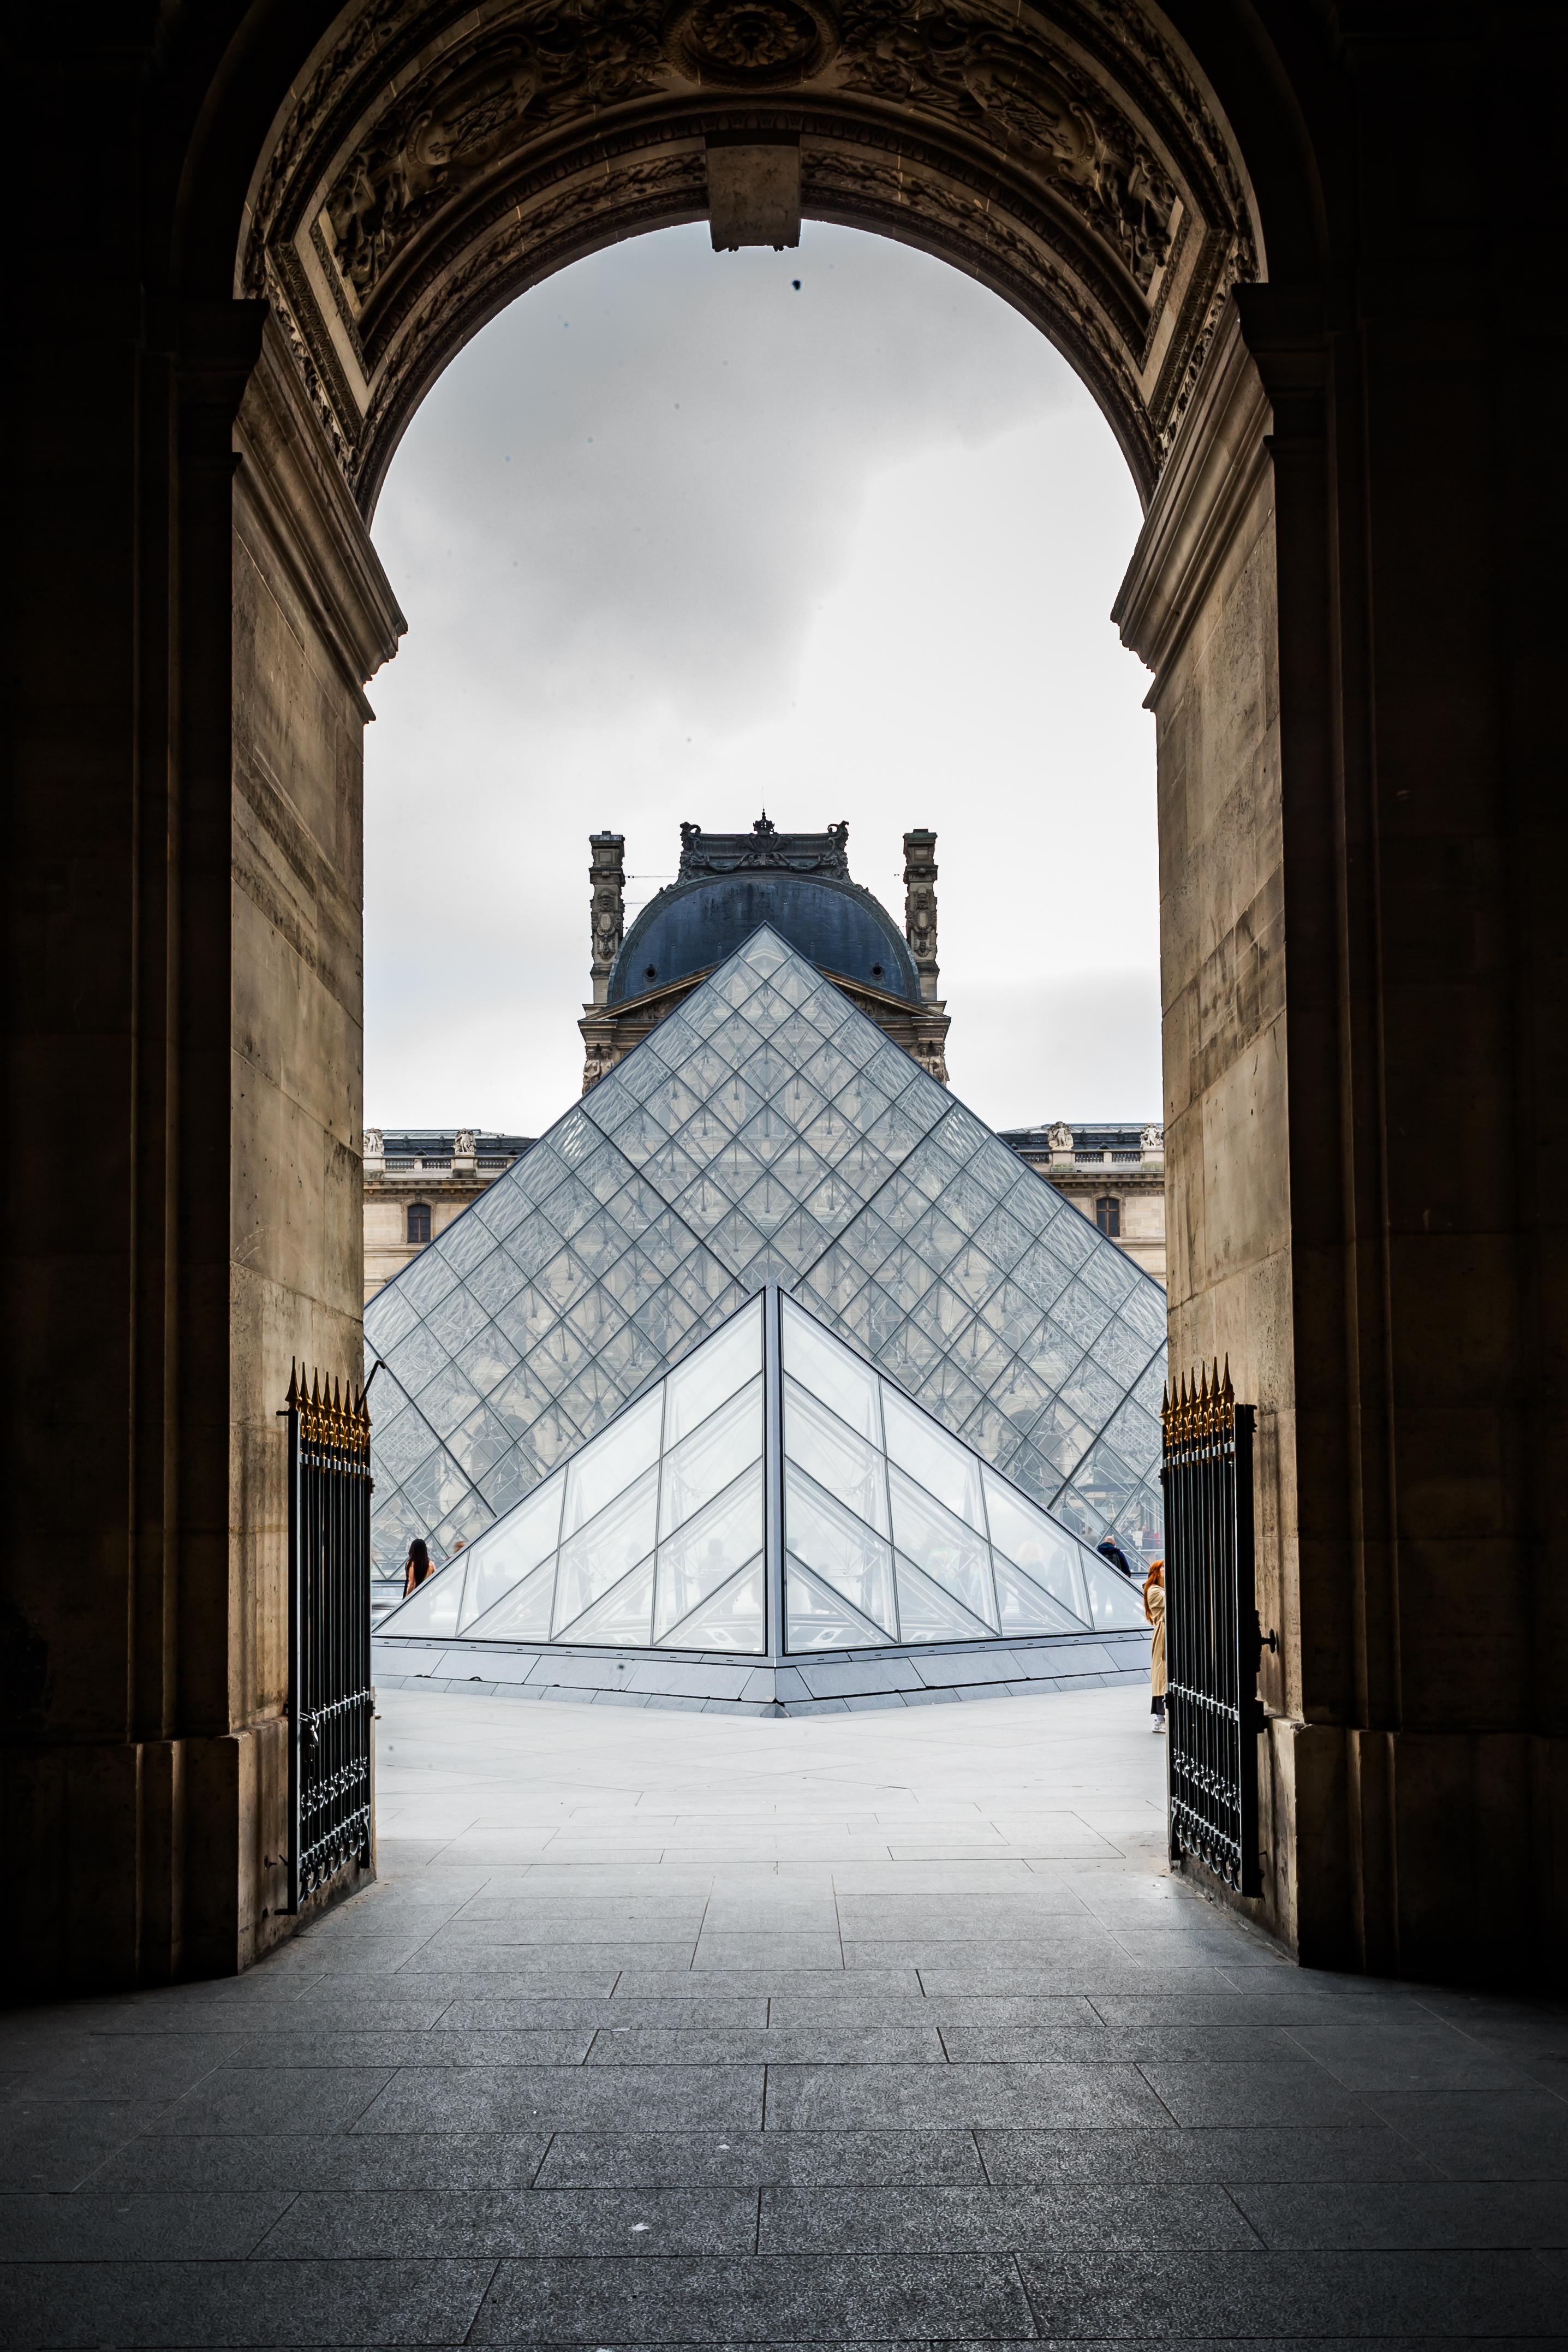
1108, 1216
419, 1221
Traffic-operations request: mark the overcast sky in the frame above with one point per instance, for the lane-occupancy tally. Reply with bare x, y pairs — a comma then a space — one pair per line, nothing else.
678, 539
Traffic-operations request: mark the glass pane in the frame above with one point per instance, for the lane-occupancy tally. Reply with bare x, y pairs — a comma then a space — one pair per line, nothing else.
938, 1461
715, 1452
1046, 1552
1113, 1603
427, 1281
604, 1469
732, 1618
1025, 1608
481, 1442
768, 1204
456, 1320
437, 1488
389, 1318
514, 1549
712, 1374
830, 1373
488, 1360
836, 1458
800, 1242
402, 1444
927, 1613
816, 1618
709, 1549
622, 1616
470, 1519
943, 1546
447, 1400
736, 1241
844, 1552
433, 1609
599, 1554
521, 1615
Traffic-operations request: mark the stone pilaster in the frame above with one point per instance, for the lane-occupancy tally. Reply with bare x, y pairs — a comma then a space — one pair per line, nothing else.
607, 876
920, 908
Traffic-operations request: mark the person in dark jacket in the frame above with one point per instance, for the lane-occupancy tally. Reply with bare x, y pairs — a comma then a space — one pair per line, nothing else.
1112, 1550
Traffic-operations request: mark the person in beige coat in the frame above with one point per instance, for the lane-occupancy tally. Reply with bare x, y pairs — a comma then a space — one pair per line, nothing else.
1155, 1611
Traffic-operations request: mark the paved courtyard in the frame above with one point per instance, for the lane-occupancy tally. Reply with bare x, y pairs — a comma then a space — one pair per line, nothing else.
882, 2028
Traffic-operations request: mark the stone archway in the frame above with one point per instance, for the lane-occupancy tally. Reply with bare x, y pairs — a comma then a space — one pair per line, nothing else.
436, 162
292, 219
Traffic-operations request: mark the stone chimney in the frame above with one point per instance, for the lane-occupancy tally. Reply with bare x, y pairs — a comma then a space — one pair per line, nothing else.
920, 908
607, 872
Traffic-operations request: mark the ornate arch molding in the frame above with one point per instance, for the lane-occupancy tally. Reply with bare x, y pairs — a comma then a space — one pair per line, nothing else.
435, 159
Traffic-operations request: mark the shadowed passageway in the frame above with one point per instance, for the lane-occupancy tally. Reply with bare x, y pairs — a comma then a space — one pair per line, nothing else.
660, 2027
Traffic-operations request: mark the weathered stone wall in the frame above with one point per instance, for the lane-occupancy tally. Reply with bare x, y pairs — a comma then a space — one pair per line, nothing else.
1200, 604
312, 615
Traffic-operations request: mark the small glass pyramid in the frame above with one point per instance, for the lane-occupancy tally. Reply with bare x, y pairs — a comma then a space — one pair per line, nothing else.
766, 1132
771, 1497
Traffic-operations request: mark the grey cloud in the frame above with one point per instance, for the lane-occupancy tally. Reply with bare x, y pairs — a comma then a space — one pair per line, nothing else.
657, 468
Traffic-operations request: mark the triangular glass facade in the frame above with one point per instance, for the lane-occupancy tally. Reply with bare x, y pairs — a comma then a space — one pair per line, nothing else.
766, 1132
772, 1497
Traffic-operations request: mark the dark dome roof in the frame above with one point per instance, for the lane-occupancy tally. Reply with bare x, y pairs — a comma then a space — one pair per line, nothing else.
837, 926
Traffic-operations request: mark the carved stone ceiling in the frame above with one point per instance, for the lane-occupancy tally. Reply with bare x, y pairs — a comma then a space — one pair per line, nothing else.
438, 159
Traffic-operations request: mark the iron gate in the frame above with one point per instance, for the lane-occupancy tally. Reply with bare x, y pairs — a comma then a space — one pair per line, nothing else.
330, 1700
1212, 1640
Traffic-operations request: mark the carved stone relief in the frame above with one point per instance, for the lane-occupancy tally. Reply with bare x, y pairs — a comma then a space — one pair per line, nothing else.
987, 74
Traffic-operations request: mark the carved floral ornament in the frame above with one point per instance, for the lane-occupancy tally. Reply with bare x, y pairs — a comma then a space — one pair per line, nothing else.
438, 160
976, 69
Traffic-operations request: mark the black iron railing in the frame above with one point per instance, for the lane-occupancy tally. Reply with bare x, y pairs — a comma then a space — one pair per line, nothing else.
1212, 1642
331, 1703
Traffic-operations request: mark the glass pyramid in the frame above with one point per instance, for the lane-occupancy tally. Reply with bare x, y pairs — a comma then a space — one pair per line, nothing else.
766, 1132
771, 1497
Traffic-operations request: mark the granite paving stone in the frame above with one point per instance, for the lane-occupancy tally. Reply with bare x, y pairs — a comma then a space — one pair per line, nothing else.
1115, 2294
173, 2305
343, 2162
835, 2298
838, 2159
1395, 2216
817, 2098
559, 2098
424, 2222
1305, 2153
840, 2043
103, 2225
998, 2220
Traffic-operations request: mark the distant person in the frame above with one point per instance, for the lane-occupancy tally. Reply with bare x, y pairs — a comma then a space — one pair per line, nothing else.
1112, 1550
416, 1568
1155, 1611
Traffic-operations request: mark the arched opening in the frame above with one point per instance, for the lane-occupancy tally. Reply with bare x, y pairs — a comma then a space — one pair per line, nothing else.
1180, 201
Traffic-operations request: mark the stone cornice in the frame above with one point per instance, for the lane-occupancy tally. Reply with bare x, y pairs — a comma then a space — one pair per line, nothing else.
292, 484
1220, 457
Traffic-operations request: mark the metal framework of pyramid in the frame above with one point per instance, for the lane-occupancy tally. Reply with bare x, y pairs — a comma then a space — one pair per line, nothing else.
771, 1499
765, 1133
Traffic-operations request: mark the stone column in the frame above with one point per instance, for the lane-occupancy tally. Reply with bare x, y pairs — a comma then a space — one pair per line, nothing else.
607, 879
920, 908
